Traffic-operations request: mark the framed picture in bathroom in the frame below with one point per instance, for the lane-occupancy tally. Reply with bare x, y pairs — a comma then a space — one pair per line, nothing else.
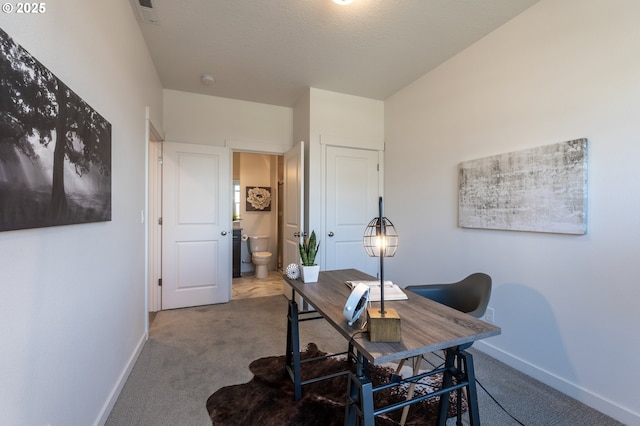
258, 199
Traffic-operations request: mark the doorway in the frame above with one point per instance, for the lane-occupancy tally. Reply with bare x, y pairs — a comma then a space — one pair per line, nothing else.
257, 175
155, 234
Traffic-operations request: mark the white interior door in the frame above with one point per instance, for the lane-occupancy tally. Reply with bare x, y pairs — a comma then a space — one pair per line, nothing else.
196, 224
352, 200
293, 211
293, 206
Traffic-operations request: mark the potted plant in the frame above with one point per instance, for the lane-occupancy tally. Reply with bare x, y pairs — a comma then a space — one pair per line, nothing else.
308, 249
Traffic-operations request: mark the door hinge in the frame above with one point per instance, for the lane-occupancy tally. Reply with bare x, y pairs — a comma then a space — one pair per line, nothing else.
159, 221
159, 282
378, 167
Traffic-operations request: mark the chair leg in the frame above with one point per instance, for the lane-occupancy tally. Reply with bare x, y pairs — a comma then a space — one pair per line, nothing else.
400, 365
416, 370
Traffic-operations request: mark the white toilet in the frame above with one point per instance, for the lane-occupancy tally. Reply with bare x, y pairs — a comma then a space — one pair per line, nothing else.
261, 258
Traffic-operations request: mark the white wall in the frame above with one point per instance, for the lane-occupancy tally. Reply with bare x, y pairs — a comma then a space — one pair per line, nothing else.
339, 120
346, 120
567, 305
210, 120
73, 308
302, 118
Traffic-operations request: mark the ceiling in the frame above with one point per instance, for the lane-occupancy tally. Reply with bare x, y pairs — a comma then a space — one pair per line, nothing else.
271, 51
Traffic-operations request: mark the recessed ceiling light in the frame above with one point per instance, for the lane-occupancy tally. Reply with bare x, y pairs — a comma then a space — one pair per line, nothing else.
342, 2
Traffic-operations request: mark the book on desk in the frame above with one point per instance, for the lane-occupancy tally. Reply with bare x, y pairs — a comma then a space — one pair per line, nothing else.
391, 290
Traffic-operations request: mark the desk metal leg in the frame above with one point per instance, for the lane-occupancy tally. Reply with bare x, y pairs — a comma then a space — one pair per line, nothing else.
472, 393
447, 379
459, 364
359, 409
293, 347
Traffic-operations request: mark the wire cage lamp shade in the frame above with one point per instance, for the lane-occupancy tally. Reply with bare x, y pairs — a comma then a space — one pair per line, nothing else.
380, 240
380, 237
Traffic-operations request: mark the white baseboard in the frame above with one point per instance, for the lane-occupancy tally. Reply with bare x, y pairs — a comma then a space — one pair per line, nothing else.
115, 392
576, 392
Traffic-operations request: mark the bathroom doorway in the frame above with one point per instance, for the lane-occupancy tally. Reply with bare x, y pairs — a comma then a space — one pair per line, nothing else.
257, 212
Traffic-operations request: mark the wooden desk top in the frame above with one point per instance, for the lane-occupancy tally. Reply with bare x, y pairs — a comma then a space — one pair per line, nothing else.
426, 326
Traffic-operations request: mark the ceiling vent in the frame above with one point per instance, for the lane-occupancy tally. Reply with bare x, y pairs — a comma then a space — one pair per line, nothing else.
146, 12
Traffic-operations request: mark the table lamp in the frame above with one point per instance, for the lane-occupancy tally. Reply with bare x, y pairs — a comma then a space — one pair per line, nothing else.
381, 240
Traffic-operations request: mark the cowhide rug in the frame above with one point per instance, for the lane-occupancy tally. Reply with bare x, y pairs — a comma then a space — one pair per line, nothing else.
268, 400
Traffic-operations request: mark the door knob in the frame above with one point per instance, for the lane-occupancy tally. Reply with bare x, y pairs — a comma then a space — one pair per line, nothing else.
296, 234
330, 233
223, 233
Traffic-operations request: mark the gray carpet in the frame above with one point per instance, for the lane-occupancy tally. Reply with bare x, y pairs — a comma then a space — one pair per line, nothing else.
193, 352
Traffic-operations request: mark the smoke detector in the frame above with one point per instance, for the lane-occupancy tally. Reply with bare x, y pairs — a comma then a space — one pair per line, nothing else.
207, 79
146, 11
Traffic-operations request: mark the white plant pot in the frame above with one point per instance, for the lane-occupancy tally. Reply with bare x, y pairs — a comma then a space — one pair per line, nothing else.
309, 274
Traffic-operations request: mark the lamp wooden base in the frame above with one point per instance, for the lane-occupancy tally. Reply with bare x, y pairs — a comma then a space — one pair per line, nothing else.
383, 327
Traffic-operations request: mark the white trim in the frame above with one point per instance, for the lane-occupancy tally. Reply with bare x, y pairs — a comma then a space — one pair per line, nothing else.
256, 146
153, 210
154, 134
323, 200
153, 228
572, 390
103, 415
368, 144
145, 217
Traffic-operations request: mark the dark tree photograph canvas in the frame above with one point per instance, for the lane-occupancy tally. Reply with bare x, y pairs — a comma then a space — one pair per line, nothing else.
55, 149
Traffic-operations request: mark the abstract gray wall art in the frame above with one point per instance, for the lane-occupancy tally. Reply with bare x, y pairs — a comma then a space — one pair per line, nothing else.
541, 189
55, 150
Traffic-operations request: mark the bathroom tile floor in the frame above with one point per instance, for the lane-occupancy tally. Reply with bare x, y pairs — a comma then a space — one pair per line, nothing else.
249, 286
